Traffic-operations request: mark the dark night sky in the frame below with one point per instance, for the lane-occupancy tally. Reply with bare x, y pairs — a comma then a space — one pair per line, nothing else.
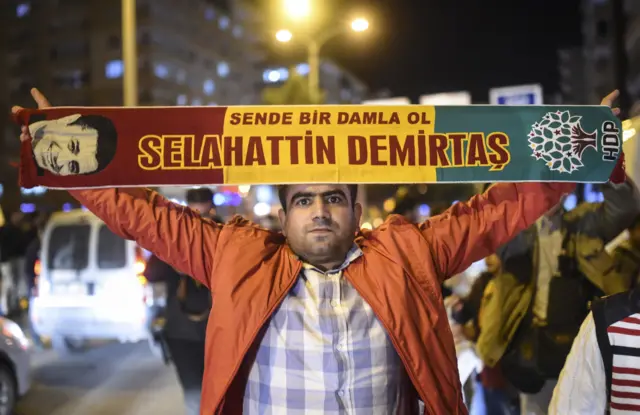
429, 46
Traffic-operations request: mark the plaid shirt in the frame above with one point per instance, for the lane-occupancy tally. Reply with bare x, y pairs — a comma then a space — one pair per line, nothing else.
324, 352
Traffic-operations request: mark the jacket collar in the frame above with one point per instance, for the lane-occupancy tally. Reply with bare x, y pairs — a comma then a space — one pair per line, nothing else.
354, 253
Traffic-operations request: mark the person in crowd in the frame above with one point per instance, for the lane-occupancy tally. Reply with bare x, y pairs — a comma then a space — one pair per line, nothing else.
270, 222
491, 385
600, 370
326, 317
626, 256
187, 310
15, 236
601, 374
31, 258
553, 271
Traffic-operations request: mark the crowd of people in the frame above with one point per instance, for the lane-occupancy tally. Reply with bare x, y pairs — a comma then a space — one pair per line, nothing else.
525, 311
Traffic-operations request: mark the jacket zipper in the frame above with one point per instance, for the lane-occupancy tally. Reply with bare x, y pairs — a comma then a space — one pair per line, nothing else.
255, 334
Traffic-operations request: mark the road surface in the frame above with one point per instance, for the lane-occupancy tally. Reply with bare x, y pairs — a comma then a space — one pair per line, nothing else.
106, 380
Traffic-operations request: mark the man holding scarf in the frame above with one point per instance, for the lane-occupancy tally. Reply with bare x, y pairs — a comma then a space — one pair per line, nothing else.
325, 317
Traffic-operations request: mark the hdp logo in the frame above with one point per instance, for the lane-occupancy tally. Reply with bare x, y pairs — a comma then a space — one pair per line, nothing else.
560, 141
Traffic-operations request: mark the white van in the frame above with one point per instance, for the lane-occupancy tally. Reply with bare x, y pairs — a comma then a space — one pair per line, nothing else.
90, 284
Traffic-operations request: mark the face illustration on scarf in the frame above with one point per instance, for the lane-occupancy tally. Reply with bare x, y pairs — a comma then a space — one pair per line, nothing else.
74, 144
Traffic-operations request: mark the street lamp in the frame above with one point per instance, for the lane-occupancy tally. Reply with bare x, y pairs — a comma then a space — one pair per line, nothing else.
314, 44
359, 25
297, 9
283, 36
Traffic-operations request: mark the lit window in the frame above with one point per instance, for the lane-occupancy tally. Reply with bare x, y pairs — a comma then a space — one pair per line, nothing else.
196, 102
181, 76
302, 69
223, 23
209, 13
181, 100
114, 69
23, 9
161, 71
237, 31
275, 75
208, 87
223, 69
284, 73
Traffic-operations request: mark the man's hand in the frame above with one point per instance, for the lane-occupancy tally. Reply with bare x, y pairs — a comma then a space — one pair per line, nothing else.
608, 101
42, 102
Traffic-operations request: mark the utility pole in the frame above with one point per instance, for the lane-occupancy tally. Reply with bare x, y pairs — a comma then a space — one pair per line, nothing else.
129, 53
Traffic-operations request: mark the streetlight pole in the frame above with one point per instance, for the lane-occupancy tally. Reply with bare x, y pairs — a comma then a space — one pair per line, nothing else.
129, 53
313, 51
314, 45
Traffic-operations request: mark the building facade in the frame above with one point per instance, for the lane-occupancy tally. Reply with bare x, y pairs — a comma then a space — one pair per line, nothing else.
190, 52
571, 67
339, 85
599, 61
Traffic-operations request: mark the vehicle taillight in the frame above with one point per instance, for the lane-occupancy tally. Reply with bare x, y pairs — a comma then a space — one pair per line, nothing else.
37, 268
140, 266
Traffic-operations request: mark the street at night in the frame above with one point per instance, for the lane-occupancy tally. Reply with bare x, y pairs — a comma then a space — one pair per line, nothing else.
109, 379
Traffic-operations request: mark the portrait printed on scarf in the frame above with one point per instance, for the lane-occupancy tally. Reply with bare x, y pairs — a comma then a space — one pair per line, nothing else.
73, 145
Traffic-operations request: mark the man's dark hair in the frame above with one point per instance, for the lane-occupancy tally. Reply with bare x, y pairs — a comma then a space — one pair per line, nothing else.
282, 194
107, 138
201, 195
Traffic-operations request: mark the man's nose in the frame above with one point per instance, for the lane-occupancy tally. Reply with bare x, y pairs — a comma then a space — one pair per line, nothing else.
321, 209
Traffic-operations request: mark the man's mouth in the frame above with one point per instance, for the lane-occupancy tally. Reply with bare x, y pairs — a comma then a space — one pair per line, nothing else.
320, 230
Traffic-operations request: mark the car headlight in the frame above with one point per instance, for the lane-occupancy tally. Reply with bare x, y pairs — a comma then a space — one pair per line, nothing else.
13, 330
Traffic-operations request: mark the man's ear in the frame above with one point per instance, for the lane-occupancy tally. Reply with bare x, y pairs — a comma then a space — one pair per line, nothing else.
282, 216
357, 213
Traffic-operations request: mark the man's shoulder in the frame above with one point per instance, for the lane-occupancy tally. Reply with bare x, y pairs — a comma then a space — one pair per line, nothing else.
394, 234
240, 229
393, 223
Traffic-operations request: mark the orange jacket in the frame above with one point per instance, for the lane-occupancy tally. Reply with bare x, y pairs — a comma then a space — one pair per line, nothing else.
249, 270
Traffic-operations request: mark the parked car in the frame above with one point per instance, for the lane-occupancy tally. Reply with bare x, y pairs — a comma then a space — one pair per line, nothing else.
15, 365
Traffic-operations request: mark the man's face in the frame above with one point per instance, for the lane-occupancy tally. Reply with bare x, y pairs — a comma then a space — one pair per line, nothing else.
320, 223
64, 149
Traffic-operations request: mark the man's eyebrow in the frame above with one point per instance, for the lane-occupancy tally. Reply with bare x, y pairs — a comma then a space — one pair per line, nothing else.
300, 195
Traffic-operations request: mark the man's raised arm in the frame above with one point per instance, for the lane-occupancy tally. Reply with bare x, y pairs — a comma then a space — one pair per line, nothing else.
470, 231
176, 234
